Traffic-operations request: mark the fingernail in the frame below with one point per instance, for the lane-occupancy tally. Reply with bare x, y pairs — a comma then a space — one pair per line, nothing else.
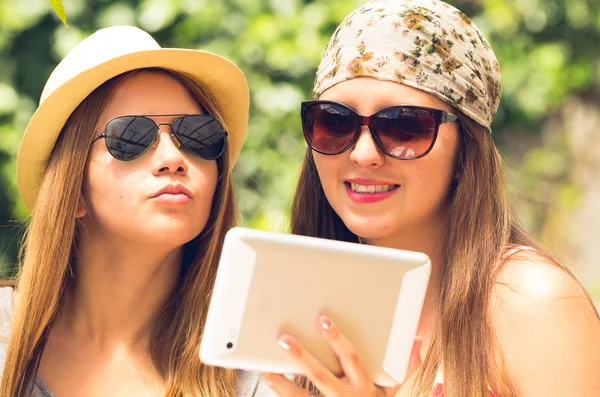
266, 379
283, 343
326, 323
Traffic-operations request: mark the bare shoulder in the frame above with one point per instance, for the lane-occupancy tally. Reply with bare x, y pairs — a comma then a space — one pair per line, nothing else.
527, 276
547, 328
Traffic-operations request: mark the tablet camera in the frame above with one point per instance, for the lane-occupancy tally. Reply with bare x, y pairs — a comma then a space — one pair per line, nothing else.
229, 345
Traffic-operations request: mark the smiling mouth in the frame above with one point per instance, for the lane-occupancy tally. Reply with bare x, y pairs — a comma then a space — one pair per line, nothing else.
371, 189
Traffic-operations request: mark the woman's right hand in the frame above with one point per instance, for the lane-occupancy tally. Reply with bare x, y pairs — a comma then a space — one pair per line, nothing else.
354, 381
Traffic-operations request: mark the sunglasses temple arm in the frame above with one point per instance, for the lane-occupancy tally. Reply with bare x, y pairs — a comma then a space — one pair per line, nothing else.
449, 118
98, 137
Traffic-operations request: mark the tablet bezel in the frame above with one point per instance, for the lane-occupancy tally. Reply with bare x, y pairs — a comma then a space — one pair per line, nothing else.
238, 287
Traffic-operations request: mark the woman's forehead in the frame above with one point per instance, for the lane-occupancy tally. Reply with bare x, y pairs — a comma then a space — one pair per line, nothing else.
150, 93
367, 95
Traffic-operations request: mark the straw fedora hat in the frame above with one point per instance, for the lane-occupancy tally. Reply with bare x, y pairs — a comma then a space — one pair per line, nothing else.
104, 55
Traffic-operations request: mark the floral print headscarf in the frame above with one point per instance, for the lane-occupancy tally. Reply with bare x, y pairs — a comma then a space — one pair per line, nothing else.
426, 44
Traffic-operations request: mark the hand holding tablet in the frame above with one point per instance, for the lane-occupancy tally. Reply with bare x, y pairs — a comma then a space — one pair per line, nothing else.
272, 283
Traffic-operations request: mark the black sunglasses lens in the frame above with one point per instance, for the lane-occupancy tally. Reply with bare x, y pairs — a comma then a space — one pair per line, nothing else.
128, 137
405, 133
202, 134
328, 128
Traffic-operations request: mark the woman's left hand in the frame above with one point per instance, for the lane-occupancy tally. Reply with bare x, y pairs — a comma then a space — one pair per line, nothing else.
355, 380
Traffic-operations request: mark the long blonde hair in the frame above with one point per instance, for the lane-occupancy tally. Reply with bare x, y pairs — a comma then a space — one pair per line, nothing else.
480, 227
46, 257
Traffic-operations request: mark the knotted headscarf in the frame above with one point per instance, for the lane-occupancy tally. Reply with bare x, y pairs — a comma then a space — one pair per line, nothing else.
426, 44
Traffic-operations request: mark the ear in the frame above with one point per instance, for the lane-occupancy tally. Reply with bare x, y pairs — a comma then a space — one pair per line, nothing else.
459, 162
458, 166
81, 208
457, 172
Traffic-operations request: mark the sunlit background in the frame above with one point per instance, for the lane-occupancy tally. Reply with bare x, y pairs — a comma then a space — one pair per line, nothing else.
548, 126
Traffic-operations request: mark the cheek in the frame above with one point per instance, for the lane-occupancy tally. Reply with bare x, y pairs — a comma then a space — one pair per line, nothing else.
111, 194
204, 175
439, 167
111, 185
204, 178
328, 168
434, 180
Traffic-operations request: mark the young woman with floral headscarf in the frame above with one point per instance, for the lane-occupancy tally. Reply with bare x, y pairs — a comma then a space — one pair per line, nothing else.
401, 155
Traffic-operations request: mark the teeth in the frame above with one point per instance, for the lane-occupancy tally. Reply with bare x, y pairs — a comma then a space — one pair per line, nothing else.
371, 188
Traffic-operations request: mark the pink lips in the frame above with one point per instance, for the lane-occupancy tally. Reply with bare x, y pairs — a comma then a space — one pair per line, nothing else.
368, 198
172, 194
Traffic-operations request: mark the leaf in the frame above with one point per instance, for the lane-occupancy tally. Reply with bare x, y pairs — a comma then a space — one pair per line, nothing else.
60, 11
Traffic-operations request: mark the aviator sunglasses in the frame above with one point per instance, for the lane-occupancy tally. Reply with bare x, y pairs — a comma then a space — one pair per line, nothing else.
401, 132
128, 137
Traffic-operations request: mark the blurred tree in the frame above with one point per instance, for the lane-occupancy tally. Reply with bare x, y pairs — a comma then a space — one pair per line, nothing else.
551, 75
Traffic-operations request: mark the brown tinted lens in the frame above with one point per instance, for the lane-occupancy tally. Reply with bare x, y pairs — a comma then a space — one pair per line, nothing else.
329, 128
405, 133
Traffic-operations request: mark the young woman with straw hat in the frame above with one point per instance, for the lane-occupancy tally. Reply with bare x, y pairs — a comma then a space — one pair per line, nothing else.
401, 155
126, 169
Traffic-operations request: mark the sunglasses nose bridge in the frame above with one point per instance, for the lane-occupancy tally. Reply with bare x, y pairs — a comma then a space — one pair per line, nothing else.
174, 139
365, 121
161, 124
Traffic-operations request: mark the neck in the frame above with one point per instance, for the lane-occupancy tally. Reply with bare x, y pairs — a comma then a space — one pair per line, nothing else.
117, 293
429, 238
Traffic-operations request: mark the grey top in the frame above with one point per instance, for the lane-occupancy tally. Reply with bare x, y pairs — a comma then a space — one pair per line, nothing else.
250, 384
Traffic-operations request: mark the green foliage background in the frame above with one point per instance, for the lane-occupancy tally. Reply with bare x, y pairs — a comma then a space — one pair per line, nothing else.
547, 127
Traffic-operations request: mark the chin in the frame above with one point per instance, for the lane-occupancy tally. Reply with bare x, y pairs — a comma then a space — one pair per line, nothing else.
174, 236
369, 228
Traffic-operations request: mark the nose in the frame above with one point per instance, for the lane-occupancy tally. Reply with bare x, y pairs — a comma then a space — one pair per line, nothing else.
365, 152
167, 157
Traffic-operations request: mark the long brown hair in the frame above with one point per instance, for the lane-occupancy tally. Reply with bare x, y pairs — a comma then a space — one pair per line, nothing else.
480, 227
46, 257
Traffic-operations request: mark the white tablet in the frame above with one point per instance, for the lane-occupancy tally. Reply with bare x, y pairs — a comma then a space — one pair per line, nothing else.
268, 283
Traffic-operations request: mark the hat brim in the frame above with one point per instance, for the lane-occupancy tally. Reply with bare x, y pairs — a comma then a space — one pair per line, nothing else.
222, 80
